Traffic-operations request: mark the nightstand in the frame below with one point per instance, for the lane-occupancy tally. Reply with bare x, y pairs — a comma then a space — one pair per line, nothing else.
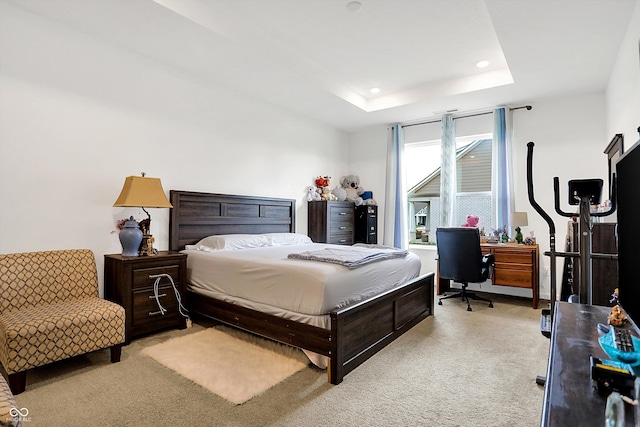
129, 281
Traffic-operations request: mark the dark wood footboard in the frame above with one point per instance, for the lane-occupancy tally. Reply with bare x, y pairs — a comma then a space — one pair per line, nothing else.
363, 329
357, 331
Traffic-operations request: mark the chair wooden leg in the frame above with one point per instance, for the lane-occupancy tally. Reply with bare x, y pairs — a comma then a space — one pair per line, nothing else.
116, 351
18, 382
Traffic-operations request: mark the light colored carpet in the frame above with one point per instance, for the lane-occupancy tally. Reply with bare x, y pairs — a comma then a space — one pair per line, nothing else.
236, 368
456, 368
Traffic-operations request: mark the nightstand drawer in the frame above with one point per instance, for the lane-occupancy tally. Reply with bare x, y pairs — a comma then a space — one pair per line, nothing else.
143, 277
145, 307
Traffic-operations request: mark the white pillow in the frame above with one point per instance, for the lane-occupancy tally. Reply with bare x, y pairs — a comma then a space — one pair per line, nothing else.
283, 239
233, 241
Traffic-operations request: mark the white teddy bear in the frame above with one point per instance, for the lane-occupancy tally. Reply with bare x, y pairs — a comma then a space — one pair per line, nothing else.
312, 194
351, 184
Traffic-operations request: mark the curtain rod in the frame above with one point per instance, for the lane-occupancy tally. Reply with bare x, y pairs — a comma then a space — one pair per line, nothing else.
464, 116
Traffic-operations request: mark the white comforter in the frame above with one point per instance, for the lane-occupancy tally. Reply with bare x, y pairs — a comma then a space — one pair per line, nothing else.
265, 276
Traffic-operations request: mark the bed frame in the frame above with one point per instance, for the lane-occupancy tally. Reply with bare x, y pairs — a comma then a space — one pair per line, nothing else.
357, 331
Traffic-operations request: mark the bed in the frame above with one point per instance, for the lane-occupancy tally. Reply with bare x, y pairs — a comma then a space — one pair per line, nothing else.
355, 331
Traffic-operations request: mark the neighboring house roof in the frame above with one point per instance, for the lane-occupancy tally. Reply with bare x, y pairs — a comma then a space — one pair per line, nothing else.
473, 163
423, 212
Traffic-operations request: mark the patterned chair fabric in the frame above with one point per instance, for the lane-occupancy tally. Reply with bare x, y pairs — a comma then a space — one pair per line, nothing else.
10, 414
50, 309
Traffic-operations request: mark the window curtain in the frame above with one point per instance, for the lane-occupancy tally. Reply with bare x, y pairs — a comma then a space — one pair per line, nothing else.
448, 172
396, 230
502, 168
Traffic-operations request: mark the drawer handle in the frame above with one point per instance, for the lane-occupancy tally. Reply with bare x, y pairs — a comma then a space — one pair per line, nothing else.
342, 228
159, 296
155, 313
342, 240
342, 213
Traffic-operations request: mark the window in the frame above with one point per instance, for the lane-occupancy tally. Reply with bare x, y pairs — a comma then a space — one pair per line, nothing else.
473, 181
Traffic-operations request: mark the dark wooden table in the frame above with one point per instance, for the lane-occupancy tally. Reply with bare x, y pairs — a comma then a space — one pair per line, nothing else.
569, 397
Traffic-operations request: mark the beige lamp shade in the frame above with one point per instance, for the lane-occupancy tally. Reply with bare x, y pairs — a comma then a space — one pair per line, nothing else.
519, 219
144, 192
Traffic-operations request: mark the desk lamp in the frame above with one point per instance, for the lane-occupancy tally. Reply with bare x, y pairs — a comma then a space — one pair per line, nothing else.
143, 192
519, 219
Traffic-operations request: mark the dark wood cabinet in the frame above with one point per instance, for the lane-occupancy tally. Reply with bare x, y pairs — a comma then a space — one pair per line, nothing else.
130, 282
604, 273
366, 224
331, 222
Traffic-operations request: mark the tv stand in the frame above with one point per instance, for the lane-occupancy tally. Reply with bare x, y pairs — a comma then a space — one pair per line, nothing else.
569, 397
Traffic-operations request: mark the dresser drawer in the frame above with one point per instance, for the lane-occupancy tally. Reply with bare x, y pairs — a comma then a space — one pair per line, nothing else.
341, 214
341, 228
142, 279
145, 307
341, 239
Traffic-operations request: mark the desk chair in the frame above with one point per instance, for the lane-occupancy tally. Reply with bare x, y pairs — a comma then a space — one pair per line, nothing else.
460, 260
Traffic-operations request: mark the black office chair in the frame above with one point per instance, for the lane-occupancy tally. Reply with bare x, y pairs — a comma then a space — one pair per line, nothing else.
460, 259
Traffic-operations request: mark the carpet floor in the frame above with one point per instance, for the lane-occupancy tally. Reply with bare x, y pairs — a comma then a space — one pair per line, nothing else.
456, 368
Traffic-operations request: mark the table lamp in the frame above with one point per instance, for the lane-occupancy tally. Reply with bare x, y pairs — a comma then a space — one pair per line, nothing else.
143, 192
519, 219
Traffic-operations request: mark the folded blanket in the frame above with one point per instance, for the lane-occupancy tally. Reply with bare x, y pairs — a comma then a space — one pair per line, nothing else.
351, 256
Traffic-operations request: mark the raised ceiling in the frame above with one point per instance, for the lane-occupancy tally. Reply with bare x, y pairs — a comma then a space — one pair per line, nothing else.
319, 59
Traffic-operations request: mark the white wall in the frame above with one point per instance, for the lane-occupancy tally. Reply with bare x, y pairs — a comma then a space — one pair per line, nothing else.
79, 115
623, 91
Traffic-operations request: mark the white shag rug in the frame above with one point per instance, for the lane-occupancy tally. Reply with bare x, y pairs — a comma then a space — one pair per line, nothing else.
234, 365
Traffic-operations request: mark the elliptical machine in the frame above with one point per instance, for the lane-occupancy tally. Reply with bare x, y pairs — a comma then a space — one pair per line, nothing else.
584, 193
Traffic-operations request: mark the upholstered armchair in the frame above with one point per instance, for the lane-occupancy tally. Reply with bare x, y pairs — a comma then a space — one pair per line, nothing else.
51, 310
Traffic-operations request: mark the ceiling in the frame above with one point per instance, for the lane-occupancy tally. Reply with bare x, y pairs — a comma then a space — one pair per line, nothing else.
320, 59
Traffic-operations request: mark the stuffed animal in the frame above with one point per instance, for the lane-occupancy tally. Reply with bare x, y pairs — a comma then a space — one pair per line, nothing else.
351, 184
322, 185
472, 221
340, 193
327, 195
312, 194
322, 181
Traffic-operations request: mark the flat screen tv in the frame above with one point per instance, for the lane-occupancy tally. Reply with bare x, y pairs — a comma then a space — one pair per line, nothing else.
628, 197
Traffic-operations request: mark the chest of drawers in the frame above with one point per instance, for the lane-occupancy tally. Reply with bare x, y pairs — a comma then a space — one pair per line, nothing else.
331, 222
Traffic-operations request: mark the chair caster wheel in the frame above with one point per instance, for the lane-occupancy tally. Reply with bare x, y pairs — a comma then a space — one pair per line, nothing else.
439, 302
469, 309
490, 305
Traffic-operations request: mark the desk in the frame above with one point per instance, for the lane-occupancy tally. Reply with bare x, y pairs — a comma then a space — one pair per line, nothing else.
569, 398
515, 266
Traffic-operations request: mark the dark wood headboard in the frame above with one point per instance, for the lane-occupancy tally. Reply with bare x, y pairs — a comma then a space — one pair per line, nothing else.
198, 215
